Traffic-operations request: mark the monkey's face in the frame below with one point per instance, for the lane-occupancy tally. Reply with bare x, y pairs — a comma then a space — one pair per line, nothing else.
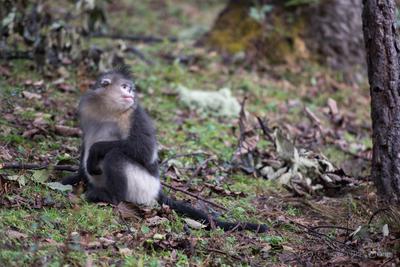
117, 93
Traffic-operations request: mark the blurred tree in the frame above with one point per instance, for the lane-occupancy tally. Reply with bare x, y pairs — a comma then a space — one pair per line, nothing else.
284, 31
49, 33
379, 21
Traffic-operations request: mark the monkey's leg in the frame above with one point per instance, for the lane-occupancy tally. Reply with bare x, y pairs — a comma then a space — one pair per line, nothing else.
116, 180
129, 181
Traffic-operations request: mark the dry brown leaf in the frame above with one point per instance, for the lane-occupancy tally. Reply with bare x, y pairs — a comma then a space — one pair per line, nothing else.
30, 133
67, 131
39, 83
156, 220
29, 95
125, 251
5, 154
15, 234
248, 133
106, 241
127, 211
94, 244
333, 106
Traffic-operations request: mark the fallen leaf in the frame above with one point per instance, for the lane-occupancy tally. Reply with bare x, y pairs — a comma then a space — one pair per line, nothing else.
194, 224
385, 230
287, 248
18, 178
94, 244
29, 95
38, 83
41, 119
65, 87
67, 131
30, 133
106, 242
333, 106
4, 71
159, 236
4, 154
156, 220
15, 234
59, 186
40, 176
125, 252
127, 210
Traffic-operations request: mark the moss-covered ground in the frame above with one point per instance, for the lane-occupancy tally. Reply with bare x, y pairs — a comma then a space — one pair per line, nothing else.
44, 227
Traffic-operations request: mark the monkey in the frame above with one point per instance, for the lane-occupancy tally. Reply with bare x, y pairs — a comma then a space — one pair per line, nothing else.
119, 154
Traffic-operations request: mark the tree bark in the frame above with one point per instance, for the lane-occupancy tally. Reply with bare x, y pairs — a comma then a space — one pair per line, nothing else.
379, 17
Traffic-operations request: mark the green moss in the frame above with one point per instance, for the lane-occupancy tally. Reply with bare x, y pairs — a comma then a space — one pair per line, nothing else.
235, 29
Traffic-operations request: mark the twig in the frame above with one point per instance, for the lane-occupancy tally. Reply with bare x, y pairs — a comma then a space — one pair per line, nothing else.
194, 195
386, 262
135, 38
333, 243
227, 254
376, 213
33, 166
202, 165
139, 54
314, 119
265, 129
128, 228
332, 227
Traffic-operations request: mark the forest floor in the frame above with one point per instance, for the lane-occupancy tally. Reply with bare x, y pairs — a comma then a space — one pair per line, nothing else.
44, 226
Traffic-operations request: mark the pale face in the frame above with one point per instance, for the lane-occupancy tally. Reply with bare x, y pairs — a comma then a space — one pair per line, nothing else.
117, 93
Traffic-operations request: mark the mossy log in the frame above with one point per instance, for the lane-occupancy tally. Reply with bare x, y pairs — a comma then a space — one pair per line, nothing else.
327, 31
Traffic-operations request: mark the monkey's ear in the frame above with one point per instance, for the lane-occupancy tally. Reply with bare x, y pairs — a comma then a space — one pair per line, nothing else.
124, 70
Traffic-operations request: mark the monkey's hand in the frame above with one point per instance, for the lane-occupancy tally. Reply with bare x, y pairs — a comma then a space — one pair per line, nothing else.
92, 162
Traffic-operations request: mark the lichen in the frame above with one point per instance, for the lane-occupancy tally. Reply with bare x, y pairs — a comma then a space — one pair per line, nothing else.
219, 103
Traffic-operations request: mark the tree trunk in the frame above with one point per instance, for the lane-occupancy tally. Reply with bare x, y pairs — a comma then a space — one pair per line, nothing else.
379, 18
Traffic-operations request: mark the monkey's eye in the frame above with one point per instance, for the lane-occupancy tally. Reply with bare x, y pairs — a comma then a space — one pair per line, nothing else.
127, 87
105, 82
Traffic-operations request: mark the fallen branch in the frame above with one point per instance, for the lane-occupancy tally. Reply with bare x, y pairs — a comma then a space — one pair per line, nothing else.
135, 38
72, 168
332, 227
139, 54
33, 166
10, 55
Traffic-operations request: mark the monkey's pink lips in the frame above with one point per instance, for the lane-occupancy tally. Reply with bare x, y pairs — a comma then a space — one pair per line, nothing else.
127, 97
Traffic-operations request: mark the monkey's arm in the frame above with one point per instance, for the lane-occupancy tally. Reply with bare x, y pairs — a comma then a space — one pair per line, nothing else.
78, 176
72, 179
139, 150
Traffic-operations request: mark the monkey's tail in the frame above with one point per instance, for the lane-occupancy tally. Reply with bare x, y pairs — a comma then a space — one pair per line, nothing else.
184, 209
